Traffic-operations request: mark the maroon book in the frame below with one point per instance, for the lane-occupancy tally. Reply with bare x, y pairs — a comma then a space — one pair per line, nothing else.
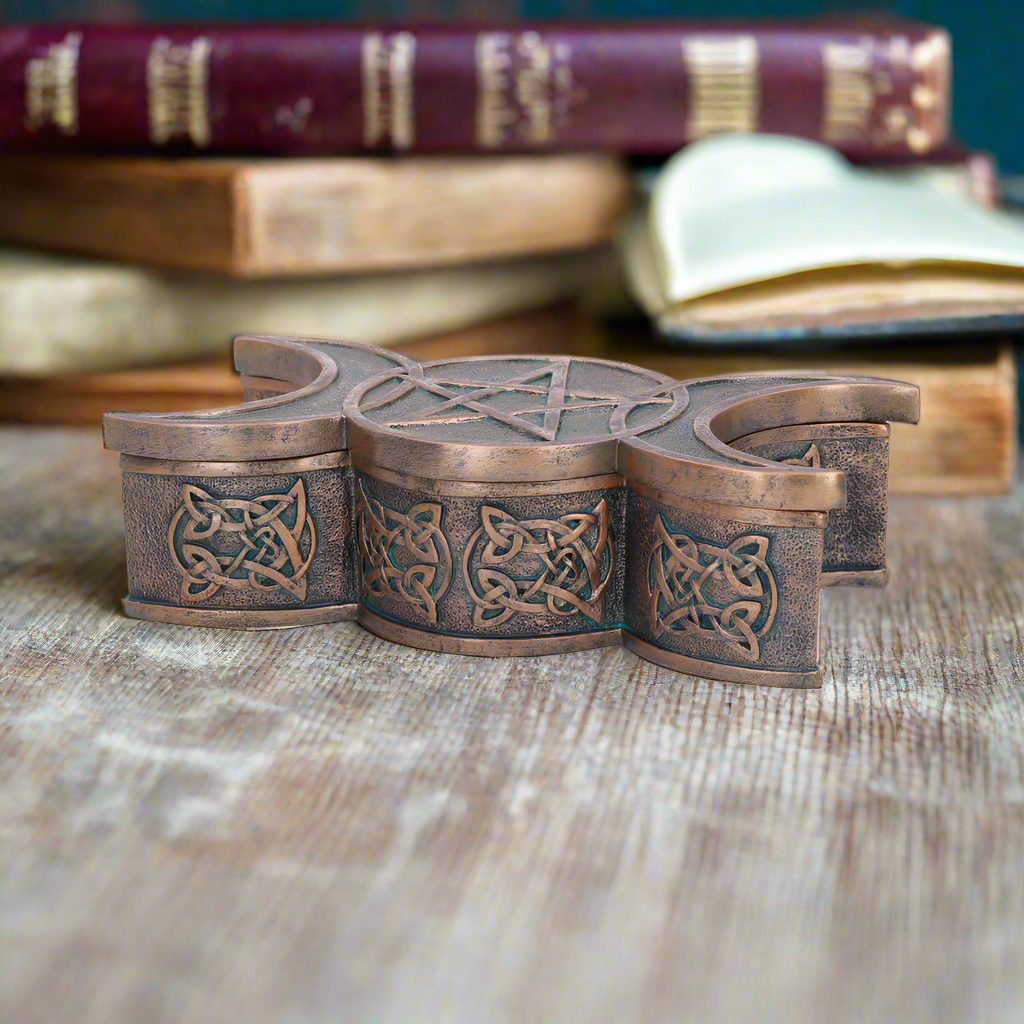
869, 88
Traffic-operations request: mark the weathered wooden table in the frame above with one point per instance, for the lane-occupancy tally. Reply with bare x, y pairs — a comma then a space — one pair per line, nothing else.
316, 825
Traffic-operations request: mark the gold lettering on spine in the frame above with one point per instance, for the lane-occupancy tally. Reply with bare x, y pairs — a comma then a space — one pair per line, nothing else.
494, 113
725, 91
849, 91
525, 89
533, 88
51, 86
400, 65
177, 77
371, 49
930, 97
388, 93
862, 103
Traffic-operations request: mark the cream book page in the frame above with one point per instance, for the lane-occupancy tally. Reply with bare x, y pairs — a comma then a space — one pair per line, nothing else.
741, 210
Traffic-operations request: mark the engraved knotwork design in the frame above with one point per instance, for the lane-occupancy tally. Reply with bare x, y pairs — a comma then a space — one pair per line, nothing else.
538, 566
404, 554
811, 457
727, 593
263, 543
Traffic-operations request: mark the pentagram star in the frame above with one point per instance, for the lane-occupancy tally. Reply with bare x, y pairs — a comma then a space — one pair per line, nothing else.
473, 405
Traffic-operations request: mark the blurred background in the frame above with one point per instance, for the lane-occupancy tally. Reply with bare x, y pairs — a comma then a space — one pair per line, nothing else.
514, 251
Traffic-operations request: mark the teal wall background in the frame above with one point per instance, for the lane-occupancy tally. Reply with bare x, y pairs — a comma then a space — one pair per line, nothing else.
988, 36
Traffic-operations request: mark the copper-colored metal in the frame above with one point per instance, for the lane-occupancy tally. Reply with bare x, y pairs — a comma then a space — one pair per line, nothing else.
240, 618
515, 505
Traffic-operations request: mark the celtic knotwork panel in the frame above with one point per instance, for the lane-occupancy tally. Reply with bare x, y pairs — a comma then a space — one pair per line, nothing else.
538, 566
811, 457
404, 554
262, 543
724, 592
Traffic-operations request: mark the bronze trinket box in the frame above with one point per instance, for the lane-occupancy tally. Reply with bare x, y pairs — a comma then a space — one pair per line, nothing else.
515, 505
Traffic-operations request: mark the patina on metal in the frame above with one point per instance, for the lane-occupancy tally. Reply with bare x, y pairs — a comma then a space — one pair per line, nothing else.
515, 505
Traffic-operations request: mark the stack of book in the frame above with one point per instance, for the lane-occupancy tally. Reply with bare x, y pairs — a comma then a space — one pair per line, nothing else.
446, 190
199, 183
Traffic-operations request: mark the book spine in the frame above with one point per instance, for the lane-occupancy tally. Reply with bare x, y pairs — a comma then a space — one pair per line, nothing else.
645, 88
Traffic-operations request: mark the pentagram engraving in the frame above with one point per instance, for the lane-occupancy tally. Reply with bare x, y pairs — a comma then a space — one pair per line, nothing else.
565, 565
262, 543
536, 403
404, 554
693, 586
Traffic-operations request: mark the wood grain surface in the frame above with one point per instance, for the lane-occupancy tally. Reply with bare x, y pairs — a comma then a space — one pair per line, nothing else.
260, 218
318, 826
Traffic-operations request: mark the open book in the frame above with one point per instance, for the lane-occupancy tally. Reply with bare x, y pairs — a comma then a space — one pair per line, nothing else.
768, 236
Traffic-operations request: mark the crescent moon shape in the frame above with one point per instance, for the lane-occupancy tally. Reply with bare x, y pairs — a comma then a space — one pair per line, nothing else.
694, 457
305, 381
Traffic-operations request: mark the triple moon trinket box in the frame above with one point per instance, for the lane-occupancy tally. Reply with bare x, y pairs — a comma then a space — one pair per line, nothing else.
515, 505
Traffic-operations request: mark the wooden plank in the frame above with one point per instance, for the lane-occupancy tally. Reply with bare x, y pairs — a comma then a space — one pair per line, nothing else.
277, 218
315, 825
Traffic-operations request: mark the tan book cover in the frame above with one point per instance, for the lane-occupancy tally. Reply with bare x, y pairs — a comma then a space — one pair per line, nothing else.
259, 218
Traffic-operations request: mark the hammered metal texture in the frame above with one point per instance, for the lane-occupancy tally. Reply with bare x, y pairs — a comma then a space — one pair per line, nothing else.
855, 535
